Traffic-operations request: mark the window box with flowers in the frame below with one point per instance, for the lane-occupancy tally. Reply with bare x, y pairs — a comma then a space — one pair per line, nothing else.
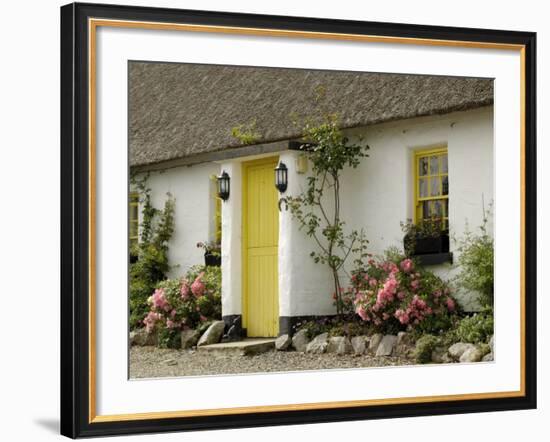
212, 253
427, 240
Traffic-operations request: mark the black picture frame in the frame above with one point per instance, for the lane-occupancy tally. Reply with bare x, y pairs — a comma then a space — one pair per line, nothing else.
75, 221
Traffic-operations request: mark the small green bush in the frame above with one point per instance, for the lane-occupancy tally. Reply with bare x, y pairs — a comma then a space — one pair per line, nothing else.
191, 302
475, 329
424, 348
394, 293
151, 254
476, 261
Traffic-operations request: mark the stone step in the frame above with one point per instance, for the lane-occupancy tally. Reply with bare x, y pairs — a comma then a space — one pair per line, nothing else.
240, 348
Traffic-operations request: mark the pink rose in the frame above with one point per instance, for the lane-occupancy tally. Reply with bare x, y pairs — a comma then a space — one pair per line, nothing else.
198, 287
450, 304
407, 265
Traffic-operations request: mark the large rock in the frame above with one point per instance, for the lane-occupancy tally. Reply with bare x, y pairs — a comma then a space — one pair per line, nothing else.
441, 356
405, 344
374, 342
386, 346
142, 338
333, 344
189, 338
344, 347
488, 357
359, 344
318, 344
458, 349
472, 354
283, 342
213, 334
300, 341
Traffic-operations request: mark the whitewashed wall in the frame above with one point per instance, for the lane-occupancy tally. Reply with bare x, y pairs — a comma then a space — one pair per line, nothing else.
376, 196
194, 213
379, 194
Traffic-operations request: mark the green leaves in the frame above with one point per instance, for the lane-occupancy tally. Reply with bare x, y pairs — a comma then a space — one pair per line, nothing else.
476, 261
151, 266
317, 209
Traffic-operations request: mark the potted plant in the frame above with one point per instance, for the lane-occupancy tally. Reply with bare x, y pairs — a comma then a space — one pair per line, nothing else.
426, 237
212, 253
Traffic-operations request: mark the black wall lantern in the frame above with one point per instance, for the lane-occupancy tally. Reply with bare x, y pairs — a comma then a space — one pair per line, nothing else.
281, 177
223, 186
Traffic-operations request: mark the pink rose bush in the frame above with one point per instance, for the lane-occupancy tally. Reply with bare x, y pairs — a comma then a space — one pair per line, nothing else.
178, 304
395, 294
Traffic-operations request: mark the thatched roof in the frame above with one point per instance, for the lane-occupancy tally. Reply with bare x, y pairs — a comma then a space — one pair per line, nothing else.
180, 110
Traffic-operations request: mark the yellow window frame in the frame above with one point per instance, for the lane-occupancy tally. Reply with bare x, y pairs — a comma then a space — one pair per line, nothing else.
418, 200
133, 221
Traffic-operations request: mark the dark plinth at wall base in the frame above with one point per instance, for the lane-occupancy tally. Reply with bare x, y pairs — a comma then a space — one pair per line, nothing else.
431, 259
289, 324
233, 328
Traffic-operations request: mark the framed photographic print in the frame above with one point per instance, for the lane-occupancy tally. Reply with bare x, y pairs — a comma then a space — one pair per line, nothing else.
274, 220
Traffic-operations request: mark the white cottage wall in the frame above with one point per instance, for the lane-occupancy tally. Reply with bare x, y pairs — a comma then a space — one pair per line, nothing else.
232, 242
194, 211
379, 194
376, 196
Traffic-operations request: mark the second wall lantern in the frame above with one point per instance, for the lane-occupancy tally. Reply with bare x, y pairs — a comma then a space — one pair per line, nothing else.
223, 185
281, 177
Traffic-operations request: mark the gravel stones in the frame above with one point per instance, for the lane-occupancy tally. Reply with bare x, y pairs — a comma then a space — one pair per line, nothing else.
146, 362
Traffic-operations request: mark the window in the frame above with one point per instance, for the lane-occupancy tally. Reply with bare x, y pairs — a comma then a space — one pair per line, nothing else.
134, 218
432, 186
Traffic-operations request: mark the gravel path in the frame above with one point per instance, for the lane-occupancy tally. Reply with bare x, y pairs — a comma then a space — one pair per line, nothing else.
152, 362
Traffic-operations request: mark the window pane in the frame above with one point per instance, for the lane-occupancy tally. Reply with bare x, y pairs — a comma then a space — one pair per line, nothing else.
133, 229
445, 185
434, 165
423, 187
444, 165
425, 209
437, 209
133, 212
423, 166
434, 186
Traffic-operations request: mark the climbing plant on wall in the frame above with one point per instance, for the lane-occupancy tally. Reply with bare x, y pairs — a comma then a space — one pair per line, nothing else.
150, 263
317, 209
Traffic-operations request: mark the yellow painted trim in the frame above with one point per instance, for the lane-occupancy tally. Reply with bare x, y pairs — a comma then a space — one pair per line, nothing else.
421, 153
133, 202
93, 24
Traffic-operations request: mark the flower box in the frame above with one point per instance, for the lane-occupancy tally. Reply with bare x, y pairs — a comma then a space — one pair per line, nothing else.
211, 259
423, 245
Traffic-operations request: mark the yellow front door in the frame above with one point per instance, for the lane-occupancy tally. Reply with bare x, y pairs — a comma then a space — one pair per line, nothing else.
260, 249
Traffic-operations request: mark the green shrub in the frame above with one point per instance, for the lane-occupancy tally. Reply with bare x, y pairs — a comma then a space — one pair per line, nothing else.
394, 293
191, 302
424, 348
476, 261
151, 254
475, 329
